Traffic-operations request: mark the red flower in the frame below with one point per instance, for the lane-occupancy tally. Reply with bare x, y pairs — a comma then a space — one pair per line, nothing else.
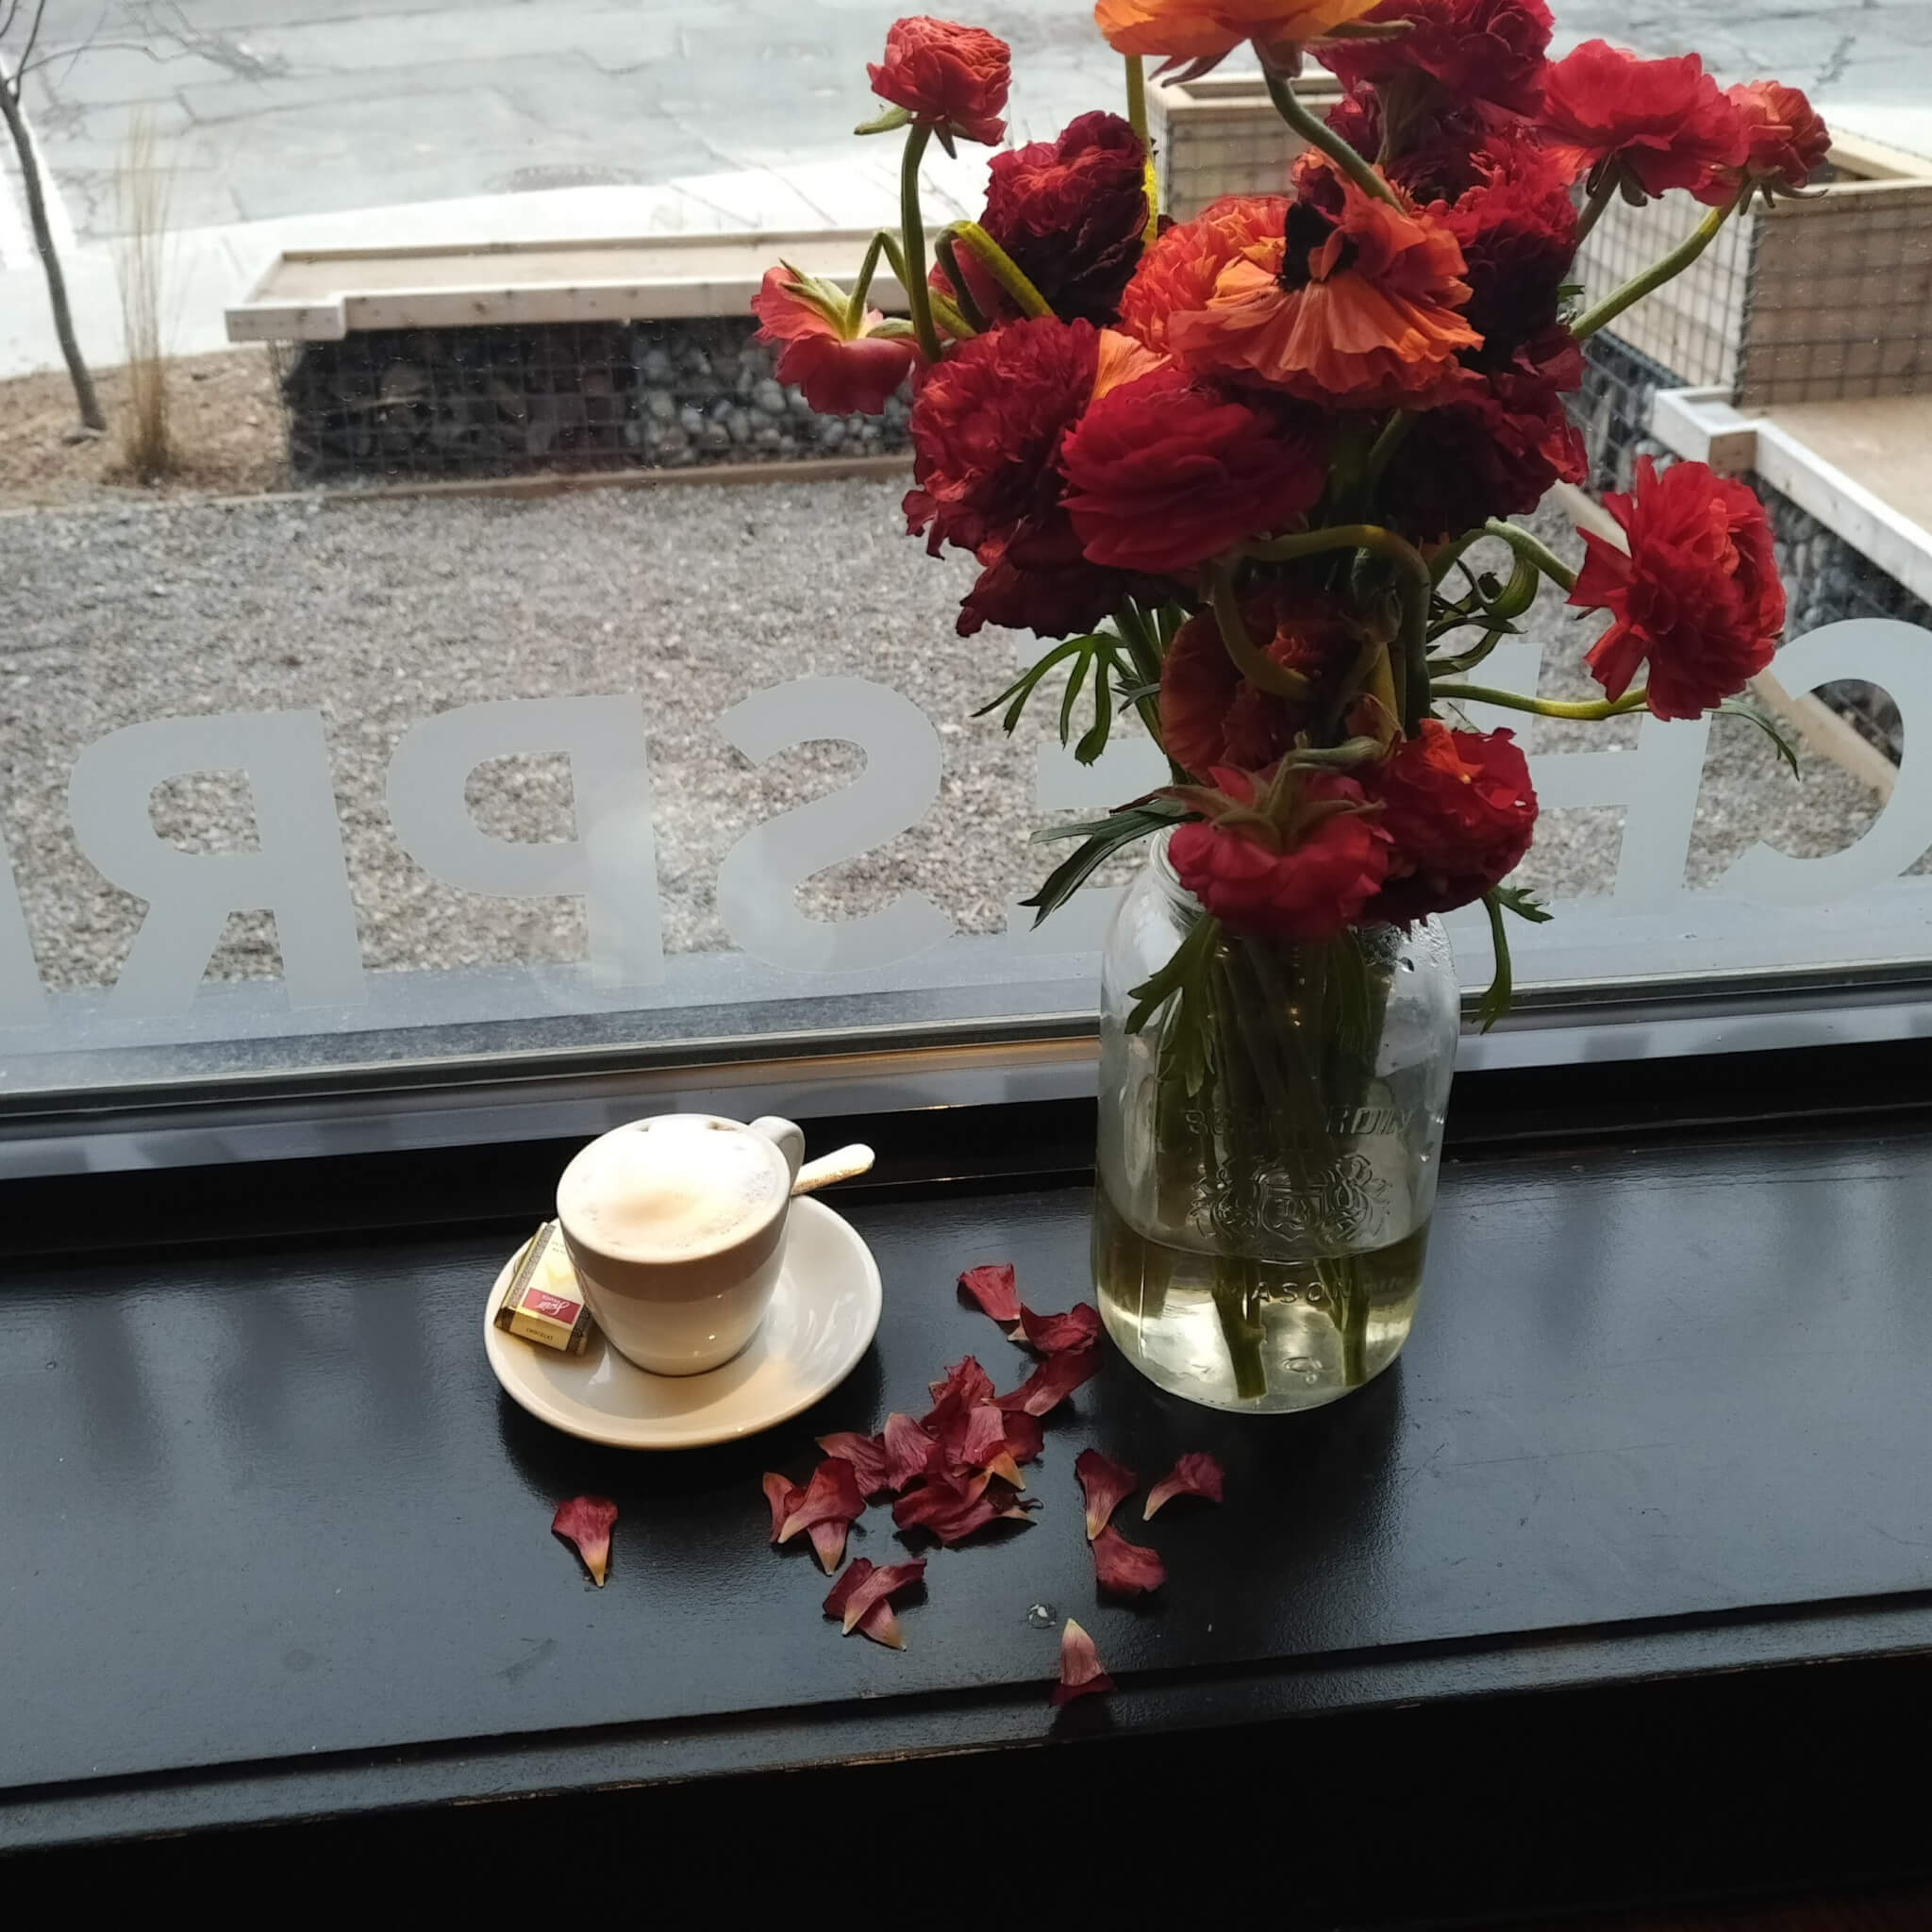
1212, 715
1353, 309
1073, 214
1473, 50
952, 78
1461, 810
839, 374
1179, 272
1786, 144
1301, 872
1698, 596
987, 427
1165, 473
1206, 31
1660, 124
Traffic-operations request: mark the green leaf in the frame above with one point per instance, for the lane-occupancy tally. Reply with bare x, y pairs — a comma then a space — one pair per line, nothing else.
889, 123
1188, 957
1522, 901
1016, 695
1738, 708
1102, 839
1093, 742
1075, 678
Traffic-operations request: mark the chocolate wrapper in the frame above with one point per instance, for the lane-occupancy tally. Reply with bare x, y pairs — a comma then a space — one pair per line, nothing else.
543, 1303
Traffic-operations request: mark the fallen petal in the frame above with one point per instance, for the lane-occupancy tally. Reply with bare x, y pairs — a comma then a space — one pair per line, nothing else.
1025, 1436
951, 1507
831, 1496
783, 1496
909, 1451
586, 1520
881, 1626
994, 1289
1077, 1328
971, 1437
1106, 1483
1193, 1475
1054, 1380
1127, 1568
1081, 1674
966, 1385
869, 1458
828, 1542
864, 1588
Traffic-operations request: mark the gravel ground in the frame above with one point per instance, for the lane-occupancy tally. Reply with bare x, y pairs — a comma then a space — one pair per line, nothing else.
382, 613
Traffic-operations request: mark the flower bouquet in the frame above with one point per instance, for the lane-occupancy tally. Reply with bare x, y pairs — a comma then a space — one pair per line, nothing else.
1234, 469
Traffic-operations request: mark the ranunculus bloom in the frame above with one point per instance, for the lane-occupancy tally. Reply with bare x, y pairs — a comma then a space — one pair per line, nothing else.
1179, 272
1202, 32
1165, 473
1306, 877
953, 78
1473, 50
1354, 310
1698, 596
1787, 141
1212, 715
1073, 214
1661, 124
839, 374
1460, 810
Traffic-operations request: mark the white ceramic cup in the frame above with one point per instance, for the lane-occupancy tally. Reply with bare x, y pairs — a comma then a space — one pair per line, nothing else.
690, 1302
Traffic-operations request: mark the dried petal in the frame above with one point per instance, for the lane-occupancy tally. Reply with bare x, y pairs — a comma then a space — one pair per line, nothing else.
828, 1542
881, 1626
1198, 1474
1054, 1380
1106, 1483
952, 1507
586, 1520
972, 1437
783, 1496
831, 1497
994, 1289
864, 1588
1081, 1674
1025, 1436
964, 1385
1128, 1569
869, 1458
1079, 1327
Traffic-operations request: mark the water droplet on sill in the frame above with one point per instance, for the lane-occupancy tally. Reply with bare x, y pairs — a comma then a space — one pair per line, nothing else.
1041, 1616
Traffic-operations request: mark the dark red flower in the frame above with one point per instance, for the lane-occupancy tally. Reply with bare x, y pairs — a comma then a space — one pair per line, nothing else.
1786, 144
1472, 50
993, 1290
1179, 272
1517, 228
952, 1507
1081, 1674
1073, 214
1212, 715
1660, 124
838, 373
1166, 472
1461, 810
987, 428
1197, 1474
824, 1508
953, 78
1052, 1334
859, 1598
1054, 1380
586, 1522
1302, 871
1698, 597
1126, 1569
1104, 1484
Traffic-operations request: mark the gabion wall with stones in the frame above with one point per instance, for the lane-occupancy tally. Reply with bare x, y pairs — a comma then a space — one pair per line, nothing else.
493, 402
1612, 410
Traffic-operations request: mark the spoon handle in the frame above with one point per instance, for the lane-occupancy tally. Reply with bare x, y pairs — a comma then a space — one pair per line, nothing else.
848, 1163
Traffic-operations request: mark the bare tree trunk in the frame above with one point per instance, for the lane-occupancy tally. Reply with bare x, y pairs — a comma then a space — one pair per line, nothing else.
50, 261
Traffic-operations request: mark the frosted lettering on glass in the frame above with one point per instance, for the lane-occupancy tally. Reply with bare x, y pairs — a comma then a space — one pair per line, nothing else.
612, 862
899, 785
297, 872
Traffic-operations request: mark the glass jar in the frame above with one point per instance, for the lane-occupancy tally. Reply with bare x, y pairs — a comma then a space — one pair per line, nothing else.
1269, 1137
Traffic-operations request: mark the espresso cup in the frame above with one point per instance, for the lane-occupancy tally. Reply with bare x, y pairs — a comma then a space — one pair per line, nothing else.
676, 1227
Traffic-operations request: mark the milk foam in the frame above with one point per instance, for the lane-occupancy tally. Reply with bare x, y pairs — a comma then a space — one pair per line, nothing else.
672, 1188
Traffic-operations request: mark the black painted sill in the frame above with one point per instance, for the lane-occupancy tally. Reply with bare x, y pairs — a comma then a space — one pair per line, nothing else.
276, 1549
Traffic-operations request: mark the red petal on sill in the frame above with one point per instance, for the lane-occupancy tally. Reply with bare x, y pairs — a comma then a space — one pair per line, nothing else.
1127, 1568
909, 1451
1025, 1436
952, 1507
828, 1542
1077, 1328
1193, 1475
1081, 1674
831, 1496
994, 1289
971, 1437
1054, 1380
864, 1589
1106, 1483
881, 1626
783, 1497
586, 1520
966, 1385
870, 1460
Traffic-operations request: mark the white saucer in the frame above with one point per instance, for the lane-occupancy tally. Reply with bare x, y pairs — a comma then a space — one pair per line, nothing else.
822, 1319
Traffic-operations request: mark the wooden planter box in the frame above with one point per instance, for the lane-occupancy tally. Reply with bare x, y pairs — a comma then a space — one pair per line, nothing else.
1221, 134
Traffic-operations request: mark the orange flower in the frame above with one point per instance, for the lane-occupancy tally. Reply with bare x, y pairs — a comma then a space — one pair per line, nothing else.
1179, 272
1357, 311
1211, 30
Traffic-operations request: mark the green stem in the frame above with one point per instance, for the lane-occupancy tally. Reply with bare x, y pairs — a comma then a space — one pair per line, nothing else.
1446, 559
912, 238
1319, 134
1532, 550
1002, 267
1600, 198
854, 310
1585, 712
1261, 670
947, 249
1137, 96
1658, 273
1395, 432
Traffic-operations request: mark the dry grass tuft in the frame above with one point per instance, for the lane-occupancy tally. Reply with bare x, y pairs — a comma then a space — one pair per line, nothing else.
142, 187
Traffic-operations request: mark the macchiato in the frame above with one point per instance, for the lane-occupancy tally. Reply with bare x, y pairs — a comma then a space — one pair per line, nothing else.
672, 1188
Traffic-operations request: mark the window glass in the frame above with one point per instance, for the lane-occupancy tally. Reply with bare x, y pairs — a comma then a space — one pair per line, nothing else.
458, 638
